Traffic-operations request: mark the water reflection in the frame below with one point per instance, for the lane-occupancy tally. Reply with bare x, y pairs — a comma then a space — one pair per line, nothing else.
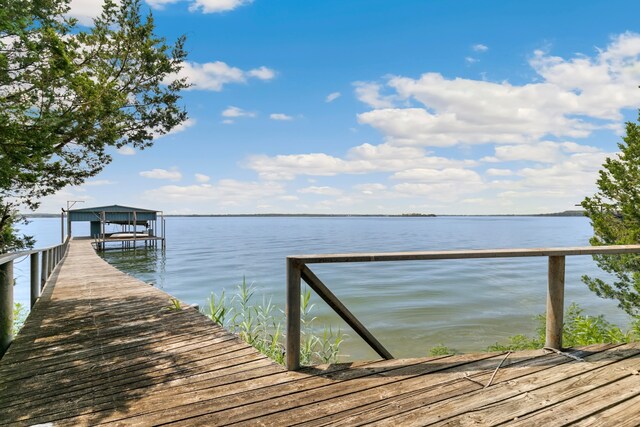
147, 264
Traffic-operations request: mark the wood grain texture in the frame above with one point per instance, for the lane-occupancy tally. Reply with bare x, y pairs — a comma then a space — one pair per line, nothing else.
102, 348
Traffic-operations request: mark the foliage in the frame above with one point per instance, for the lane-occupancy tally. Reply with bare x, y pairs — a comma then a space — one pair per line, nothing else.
174, 304
615, 216
19, 316
441, 350
579, 330
68, 94
261, 325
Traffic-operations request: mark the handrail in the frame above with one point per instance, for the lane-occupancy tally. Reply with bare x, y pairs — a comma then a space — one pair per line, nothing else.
297, 270
41, 268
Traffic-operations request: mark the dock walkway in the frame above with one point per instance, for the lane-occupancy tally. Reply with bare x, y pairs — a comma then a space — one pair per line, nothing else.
103, 348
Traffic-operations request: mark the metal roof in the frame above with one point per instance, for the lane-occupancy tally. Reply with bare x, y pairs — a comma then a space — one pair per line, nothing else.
113, 213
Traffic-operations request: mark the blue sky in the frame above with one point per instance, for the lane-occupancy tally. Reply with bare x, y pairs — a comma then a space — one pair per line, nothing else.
446, 107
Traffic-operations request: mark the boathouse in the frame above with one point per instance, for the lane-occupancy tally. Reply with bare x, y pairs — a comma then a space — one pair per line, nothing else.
135, 224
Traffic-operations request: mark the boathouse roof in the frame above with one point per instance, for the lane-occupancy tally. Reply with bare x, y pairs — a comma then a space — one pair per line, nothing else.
113, 213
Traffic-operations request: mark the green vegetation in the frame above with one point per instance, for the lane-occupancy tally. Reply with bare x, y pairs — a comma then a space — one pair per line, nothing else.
615, 216
261, 325
579, 329
20, 313
69, 93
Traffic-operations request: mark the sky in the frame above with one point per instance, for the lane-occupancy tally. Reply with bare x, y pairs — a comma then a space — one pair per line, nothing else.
383, 107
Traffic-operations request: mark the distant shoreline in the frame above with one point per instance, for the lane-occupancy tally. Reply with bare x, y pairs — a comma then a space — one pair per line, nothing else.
411, 215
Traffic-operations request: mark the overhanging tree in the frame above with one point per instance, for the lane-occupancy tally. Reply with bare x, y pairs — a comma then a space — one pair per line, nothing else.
66, 95
615, 216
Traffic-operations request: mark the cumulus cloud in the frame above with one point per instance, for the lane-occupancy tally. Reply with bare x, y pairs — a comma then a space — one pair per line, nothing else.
173, 174
180, 128
204, 6
365, 158
235, 112
226, 192
217, 6
202, 178
85, 10
479, 48
215, 75
369, 93
572, 98
498, 172
127, 151
322, 191
280, 116
332, 96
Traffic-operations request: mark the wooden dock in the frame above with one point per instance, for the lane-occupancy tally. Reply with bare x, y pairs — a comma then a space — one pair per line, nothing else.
104, 348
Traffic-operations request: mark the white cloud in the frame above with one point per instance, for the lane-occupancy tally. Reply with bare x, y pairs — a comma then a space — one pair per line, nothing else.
202, 178
280, 116
160, 4
226, 193
98, 182
499, 172
236, 112
262, 73
180, 128
544, 152
437, 175
85, 10
471, 60
370, 188
479, 48
126, 151
369, 93
573, 98
365, 158
172, 175
332, 96
322, 191
217, 6
214, 75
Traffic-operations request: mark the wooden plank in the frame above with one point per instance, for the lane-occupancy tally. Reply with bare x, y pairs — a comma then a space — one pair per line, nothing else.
623, 413
498, 395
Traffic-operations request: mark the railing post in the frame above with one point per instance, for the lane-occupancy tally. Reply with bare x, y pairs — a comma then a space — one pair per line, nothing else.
6, 306
293, 315
49, 262
35, 279
555, 302
44, 268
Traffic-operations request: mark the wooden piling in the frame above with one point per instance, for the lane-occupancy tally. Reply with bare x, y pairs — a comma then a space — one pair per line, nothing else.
555, 302
293, 315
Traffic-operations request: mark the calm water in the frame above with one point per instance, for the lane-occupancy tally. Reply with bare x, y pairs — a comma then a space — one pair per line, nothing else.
409, 306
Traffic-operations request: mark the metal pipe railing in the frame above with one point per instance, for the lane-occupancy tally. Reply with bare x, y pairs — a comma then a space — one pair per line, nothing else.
43, 262
297, 270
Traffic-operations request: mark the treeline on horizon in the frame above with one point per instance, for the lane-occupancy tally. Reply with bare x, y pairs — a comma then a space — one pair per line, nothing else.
419, 215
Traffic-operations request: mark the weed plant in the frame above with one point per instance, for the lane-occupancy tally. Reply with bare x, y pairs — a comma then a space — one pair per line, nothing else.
261, 325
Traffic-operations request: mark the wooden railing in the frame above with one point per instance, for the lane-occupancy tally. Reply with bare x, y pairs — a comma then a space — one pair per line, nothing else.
298, 270
43, 262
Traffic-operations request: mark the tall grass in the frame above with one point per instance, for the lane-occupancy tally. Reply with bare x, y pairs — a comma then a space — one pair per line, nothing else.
261, 325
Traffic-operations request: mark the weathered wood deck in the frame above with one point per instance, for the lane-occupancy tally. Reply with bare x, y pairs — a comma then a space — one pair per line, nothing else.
103, 348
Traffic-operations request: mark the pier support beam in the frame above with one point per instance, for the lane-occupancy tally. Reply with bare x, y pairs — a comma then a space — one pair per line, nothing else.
555, 302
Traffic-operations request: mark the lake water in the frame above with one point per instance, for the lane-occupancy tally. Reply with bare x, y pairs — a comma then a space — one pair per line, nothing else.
408, 306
